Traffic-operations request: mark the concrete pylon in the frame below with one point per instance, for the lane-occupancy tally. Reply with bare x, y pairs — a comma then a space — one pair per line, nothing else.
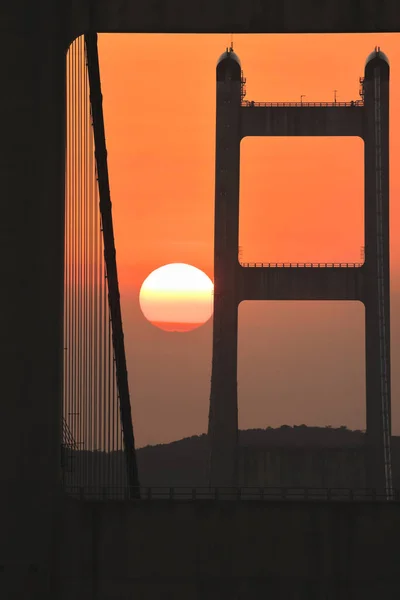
223, 419
368, 283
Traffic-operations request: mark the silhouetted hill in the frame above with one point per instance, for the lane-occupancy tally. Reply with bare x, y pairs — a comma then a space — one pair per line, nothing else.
184, 462
299, 455
302, 436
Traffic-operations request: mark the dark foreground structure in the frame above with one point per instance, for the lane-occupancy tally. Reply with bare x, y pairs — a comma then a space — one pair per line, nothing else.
51, 548
368, 282
243, 550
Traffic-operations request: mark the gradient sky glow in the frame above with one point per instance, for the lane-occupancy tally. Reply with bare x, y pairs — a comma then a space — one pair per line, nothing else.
301, 200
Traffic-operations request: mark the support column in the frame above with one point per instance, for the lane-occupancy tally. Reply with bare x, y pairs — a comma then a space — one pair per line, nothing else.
32, 51
223, 417
377, 280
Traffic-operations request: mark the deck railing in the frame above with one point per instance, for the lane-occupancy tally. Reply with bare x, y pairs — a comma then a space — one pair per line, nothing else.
301, 265
188, 493
353, 103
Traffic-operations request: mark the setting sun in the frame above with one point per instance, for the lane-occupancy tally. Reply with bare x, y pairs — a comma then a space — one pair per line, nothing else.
177, 297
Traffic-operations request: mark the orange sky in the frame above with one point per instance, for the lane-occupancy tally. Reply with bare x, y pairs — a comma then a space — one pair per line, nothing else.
301, 200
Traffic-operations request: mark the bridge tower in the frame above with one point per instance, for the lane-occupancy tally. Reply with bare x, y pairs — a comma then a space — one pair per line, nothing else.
223, 418
368, 283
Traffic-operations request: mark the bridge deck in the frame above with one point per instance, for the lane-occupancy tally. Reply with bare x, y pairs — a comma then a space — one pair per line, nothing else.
229, 550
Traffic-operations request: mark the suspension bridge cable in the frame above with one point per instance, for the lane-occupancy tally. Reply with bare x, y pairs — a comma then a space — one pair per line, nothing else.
110, 260
97, 425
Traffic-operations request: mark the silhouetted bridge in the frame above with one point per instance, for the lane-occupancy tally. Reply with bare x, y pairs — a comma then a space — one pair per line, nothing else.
189, 542
58, 541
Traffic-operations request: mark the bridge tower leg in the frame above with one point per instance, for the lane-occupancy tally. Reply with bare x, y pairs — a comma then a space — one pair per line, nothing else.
377, 279
223, 417
31, 303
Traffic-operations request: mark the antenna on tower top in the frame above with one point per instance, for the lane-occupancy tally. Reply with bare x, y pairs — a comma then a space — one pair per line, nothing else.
231, 42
